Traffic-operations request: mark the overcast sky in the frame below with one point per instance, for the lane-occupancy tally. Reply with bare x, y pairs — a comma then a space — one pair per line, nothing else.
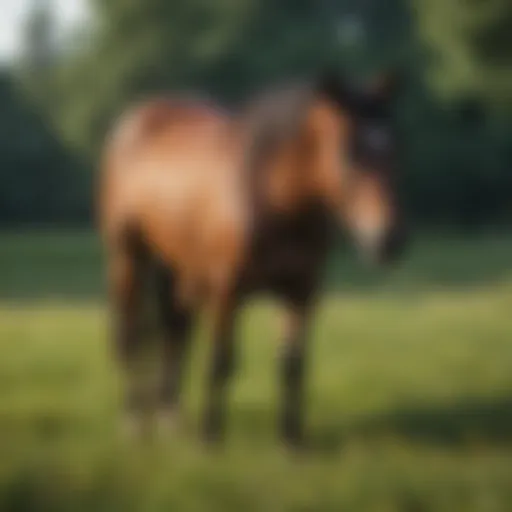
13, 13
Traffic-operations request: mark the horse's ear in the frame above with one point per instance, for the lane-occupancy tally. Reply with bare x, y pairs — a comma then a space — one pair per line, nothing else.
331, 84
386, 86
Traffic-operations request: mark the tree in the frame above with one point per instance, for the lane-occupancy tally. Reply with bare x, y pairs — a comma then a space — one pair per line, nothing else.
39, 44
456, 167
39, 178
229, 47
38, 182
470, 45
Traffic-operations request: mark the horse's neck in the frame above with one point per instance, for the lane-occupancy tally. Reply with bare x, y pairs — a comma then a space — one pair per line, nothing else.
303, 227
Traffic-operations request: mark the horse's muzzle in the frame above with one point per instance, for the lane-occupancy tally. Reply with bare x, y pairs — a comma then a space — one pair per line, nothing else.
393, 245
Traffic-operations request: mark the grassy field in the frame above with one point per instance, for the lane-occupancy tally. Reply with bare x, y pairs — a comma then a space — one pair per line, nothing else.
410, 392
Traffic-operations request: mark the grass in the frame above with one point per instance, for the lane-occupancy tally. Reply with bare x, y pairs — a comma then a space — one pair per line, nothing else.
410, 392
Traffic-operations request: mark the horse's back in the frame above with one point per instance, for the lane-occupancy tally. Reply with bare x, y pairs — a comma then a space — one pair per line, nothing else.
170, 171
142, 127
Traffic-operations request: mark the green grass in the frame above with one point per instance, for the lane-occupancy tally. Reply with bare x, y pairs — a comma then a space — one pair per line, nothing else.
410, 392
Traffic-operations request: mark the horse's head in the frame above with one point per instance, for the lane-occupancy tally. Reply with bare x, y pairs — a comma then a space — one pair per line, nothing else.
358, 162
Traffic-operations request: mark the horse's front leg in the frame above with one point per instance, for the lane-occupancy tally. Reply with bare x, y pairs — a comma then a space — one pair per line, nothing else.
292, 369
221, 368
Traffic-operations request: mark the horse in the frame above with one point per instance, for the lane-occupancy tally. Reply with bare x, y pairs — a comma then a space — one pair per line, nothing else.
228, 204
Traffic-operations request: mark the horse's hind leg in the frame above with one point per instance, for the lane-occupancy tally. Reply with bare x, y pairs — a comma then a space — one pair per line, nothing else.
177, 323
222, 365
127, 266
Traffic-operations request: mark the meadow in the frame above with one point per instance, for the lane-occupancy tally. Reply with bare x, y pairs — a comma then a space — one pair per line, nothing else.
409, 394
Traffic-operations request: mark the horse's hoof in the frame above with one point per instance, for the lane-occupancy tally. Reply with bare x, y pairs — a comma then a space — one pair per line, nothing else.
293, 451
170, 421
294, 443
133, 427
212, 439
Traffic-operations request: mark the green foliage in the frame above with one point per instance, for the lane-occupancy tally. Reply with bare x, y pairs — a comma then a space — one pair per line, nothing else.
39, 44
456, 166
36, 184
41, 181
471, 42
229, 47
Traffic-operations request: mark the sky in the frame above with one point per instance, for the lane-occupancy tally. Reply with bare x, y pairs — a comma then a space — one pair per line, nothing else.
13, 14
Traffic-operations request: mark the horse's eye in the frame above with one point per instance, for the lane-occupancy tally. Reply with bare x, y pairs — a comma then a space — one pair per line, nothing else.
377, 138
348, 157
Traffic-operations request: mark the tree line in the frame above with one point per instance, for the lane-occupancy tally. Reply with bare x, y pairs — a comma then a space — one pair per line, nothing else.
454, 116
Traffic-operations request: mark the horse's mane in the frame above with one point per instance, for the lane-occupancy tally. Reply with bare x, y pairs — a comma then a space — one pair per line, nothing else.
270, 119
275, 115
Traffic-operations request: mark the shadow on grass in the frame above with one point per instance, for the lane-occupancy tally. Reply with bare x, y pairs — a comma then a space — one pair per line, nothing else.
461, 424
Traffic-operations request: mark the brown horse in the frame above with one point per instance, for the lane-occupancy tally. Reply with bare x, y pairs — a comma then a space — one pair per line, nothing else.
233, 204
